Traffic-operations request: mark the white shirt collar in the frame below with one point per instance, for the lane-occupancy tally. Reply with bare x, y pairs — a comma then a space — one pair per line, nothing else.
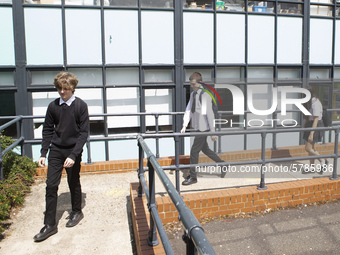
69, 102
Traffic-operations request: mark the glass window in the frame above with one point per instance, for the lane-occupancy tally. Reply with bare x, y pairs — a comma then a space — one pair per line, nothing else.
84, 2
321, 41
198, 4
158, 75
288, 8
230, 26
158, 100
157, 37
337, 73
260, 6
260, 74
122, 76
42, 1
44, 37
261, 39
88, 76
83, 36
7, 37
229, 74
6, 78
337, 11
289, 40
122, 100
288, 73
157, 4
206, 73
231, 5
124, 3
336, 102
7, 108
289, 107
121, 37
321, 10
198, 37
94, 100
319, 73
337, 40
5, 1
323, 93
43, 77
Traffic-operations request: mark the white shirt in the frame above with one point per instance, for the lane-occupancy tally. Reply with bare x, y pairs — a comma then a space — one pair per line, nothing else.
203, 117
316, 109
69, 102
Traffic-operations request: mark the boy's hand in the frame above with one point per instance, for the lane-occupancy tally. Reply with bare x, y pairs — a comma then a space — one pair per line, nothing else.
41, 161
213, 138
68, 163
183, 129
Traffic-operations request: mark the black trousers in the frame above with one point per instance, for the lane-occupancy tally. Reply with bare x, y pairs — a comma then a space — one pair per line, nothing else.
56, 159
201, 144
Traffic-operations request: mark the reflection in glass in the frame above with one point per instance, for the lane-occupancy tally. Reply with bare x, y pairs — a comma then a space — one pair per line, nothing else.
319, 73
124, 3
229, 74
321, 10
260, 6
122, 76
199, 4
43, 77
88, 76
206, 73
287, 8
84, 2
337, 11
260, 74
5, 1
159, 75
233, 5
336, 102
6, 78
157, 4
288, 73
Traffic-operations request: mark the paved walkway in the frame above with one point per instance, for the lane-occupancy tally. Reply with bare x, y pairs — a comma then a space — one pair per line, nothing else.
106, 228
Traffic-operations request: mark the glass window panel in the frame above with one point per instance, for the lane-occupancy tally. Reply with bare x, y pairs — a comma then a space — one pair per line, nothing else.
157, 37
260, 39
337, 12
337, 43
88, 76
321, 34
230, 51
323, 93
158, 75
157, 4
42, 1
122, 76
206, 74
289, 115
289, 40
336, 102
260, 6
6, 1
94, 100
198, 37
83, 36
158, 100
124, 3
229, 74
198, 4
337, 73
321, 10
7, 108
288, 8
319, 73
44, 37
121, 37
7, 37
40, 101
43, 77
123, 100
6, 78
232, 5
288, 73
84, 2
260, 74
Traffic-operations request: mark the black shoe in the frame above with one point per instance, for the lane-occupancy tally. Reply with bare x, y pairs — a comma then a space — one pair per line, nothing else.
45, 233
189, 181
74, 219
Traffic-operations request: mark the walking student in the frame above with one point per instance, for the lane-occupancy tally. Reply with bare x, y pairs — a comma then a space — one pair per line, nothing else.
201, 113
64, 133
311, 137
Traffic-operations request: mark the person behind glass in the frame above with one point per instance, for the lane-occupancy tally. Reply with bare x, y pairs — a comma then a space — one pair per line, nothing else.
64, 133
202, 119
314, 106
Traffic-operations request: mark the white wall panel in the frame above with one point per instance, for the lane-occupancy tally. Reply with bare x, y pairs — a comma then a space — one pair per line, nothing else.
121, 37
321, 31
83, 36
157, 37
6, 38
260, 39
337, 43
230, 38
289, 40
198, 38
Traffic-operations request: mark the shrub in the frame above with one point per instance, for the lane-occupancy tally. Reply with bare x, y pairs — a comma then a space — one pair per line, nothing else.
18, 174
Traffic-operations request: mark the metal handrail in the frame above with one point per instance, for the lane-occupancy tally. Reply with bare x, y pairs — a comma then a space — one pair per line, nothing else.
193, 230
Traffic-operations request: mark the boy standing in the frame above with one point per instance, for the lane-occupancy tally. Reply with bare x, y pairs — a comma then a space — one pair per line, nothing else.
64, 134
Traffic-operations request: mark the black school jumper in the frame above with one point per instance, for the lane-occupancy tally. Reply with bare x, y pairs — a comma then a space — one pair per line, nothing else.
65, 133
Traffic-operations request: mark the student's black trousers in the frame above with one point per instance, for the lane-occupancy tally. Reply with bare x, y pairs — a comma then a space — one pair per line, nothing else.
201, 144
56, 159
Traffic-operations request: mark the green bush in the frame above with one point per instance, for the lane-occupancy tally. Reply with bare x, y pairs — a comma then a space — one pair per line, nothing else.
18, 172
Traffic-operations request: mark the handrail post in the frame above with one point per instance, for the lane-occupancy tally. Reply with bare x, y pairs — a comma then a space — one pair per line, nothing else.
219, 137
190, 246
88, 146
152, 239
177, 163
140, 169
21, 128
1, 160
335, 165
274, 145
263, 158
157, 139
